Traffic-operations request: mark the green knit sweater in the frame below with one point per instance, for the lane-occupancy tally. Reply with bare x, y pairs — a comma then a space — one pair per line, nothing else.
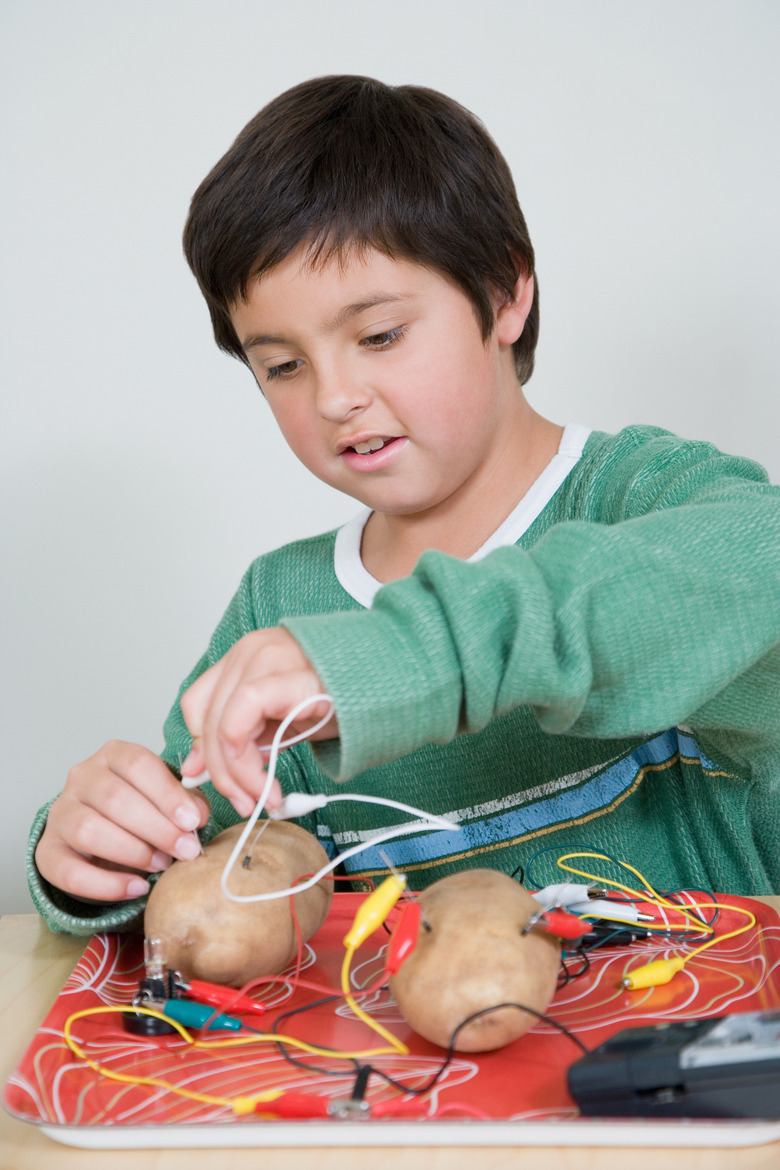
610, 681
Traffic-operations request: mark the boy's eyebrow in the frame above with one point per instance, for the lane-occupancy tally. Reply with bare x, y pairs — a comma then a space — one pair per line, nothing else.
341, 318
371, 302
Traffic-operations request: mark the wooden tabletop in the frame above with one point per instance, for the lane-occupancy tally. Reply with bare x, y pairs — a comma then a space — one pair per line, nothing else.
34, 964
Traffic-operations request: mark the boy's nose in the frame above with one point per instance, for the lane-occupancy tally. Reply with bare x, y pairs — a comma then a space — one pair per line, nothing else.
340, 395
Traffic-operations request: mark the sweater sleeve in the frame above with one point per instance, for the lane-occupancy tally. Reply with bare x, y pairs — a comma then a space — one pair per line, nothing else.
669, 614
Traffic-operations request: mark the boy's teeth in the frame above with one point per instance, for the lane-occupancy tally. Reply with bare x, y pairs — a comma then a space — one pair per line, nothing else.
370, 445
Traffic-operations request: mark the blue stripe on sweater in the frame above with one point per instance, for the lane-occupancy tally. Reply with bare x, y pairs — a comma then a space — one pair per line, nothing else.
596, 793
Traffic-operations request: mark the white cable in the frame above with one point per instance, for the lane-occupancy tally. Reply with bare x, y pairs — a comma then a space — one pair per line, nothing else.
278, 742
298, 804
196, 781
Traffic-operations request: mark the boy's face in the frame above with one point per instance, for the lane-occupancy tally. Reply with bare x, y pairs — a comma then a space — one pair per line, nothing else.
379, 379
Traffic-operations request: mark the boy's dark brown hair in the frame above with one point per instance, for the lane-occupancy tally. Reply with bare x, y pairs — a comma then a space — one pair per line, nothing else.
342, 163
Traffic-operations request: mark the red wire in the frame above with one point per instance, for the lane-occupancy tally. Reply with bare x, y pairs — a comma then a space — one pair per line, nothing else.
308, 984
295, 980
297, 927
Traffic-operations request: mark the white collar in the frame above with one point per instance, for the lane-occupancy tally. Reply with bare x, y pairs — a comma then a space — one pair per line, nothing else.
358, 582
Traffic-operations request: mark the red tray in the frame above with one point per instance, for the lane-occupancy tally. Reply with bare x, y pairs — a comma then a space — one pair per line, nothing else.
520, 1090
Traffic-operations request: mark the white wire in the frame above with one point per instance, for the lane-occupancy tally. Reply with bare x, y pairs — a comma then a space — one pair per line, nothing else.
397, 831
203, 778
438, 822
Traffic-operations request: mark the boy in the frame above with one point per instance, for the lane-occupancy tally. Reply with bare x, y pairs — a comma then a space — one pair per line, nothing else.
551, 636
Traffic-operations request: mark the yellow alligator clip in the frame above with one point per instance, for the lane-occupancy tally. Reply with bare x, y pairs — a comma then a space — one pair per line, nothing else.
375, 909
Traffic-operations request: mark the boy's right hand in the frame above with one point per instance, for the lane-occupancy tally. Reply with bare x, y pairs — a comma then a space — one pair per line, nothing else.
121, 810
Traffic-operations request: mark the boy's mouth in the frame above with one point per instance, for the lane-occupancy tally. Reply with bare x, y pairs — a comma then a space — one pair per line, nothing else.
375, 444
372, 452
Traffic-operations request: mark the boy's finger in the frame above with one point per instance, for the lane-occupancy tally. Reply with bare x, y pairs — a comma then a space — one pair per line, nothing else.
245, 800
275, 795
243, 783
136, 839
66, 869
257, 703
205, 809
195, 763
233, 760
196, 700
147, 775
128, 820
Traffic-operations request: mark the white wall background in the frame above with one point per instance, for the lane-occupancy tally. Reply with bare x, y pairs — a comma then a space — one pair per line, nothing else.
141, 468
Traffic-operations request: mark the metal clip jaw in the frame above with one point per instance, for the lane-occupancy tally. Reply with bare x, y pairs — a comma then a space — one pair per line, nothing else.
533, 918
349, 1109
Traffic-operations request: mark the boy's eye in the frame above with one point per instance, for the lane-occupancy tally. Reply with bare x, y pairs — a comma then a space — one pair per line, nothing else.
384, 340
285, 370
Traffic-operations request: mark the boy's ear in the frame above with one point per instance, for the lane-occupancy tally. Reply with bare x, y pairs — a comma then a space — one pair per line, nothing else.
511, 315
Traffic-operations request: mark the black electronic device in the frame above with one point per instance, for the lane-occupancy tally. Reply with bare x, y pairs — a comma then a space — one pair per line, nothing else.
728, 1066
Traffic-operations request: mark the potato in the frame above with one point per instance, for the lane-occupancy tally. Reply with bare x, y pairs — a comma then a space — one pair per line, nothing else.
473, 957
206, 936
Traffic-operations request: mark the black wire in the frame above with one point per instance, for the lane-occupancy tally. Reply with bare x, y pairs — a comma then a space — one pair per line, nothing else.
568, 975
520, 871
564, 974
454, 1037
361, 1082
573, 847
605, 942
561, 849
523, 1008
294, 1060
363, 1072
676, 896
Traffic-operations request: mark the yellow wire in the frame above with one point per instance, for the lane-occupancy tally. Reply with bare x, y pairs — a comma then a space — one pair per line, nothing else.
661, 971
654, 897
277, 1037
657, 899
722, 937
397, 1045
125, 1078
205, 1098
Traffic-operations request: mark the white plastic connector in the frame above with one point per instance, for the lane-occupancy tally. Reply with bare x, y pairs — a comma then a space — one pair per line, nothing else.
195, 781
601, 907
574, 898
561, 894
297, 804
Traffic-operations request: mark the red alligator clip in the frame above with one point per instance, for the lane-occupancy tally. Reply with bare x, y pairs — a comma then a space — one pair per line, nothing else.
297, 1105
404, 937
567, 926
217, 996
307, 1105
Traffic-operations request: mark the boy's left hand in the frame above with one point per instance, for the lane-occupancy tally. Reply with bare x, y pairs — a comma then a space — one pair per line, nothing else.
238, 704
